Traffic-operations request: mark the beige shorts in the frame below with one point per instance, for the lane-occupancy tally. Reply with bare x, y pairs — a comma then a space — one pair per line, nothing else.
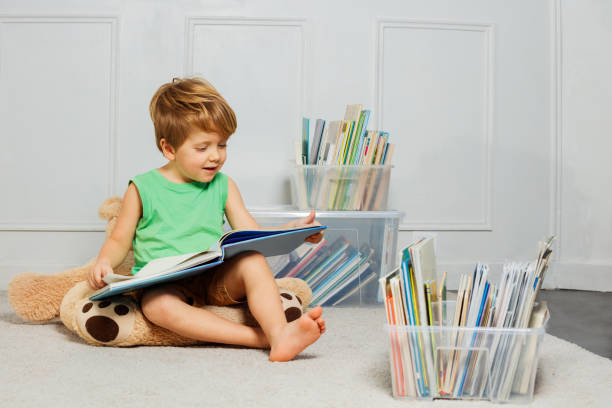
206, 288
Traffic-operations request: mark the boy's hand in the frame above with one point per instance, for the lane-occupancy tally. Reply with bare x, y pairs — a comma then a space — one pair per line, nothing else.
97, 272
309, 221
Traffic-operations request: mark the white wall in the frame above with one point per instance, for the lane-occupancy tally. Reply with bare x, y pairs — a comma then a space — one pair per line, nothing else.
584, 184
497, 109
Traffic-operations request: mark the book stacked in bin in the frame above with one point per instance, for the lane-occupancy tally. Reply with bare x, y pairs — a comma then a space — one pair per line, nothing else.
334, 271
340, 165
371, 234
483, 345
341, 187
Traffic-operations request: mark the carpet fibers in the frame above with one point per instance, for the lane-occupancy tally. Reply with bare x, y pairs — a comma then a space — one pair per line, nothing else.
46, 365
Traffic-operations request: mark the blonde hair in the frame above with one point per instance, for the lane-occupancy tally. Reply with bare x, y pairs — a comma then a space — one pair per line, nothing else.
184, 104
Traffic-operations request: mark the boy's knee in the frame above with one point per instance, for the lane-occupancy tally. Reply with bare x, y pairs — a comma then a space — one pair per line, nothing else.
157, 306
251, 258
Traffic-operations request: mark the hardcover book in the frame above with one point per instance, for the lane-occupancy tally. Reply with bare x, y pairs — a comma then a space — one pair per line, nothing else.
167, 269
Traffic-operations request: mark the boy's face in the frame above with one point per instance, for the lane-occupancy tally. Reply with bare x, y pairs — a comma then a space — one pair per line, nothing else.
200, 157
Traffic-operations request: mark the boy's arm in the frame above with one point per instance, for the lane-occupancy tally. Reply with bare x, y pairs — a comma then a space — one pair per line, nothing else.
240, 218
235, 210
116, 247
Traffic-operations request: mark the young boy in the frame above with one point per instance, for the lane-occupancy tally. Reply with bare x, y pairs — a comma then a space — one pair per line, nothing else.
179, 208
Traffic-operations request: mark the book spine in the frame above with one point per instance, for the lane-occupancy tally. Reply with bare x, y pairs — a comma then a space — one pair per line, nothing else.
353, 289
339, 256
361, 132
344, 138
341, 274
305, 133
316, 141
357, 137
313, 259
337, 249
349, 140
347, 285
316, 279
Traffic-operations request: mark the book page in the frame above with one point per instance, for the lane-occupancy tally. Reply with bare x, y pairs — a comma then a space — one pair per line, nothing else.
113, 277
175, 263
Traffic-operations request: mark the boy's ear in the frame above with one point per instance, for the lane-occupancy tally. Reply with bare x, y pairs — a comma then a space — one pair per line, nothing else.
167, 149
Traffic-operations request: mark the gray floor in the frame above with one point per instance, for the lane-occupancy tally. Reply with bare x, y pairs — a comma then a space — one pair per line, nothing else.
46, 365
582, 317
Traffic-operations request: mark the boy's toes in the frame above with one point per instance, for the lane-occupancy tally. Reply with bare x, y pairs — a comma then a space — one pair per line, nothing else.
321, 324
315, 313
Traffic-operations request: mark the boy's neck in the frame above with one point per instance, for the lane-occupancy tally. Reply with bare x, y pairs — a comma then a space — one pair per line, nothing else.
170, 173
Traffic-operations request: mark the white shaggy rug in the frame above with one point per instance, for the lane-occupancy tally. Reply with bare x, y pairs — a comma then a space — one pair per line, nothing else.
45, 365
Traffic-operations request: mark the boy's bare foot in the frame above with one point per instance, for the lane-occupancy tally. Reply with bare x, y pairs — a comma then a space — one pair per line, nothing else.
298, 335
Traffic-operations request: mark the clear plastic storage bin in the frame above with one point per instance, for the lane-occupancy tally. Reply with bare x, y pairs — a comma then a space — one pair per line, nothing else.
341, 187
433, 362
358, 248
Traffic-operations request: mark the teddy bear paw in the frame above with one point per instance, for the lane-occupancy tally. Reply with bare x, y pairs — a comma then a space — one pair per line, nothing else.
292, 305
107, 321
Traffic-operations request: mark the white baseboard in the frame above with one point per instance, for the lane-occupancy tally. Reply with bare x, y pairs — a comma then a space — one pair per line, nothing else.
582, 276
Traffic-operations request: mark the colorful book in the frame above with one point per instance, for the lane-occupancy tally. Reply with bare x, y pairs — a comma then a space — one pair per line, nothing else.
349, 255
352, 287
334, 281
337, 250
305, 137
316, 141
307, 257
167, 269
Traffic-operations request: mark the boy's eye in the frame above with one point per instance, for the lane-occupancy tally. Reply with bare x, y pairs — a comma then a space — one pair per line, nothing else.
201, 149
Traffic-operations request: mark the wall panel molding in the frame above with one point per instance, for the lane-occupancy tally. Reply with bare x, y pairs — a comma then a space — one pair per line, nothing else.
301, 25
556, 124
485, 222
111, 164
57, 227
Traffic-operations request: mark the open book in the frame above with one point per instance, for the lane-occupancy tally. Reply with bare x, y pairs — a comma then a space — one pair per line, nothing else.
161, 270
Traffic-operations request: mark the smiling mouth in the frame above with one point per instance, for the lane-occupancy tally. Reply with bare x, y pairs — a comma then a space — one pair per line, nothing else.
210, 168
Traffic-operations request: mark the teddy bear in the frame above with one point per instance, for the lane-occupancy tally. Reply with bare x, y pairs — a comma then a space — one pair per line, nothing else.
118, 321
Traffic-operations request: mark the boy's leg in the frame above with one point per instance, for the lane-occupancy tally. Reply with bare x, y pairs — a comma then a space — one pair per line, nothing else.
249, 275
168, 307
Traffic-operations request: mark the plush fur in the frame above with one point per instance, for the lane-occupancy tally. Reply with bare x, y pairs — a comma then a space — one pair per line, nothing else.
119, 321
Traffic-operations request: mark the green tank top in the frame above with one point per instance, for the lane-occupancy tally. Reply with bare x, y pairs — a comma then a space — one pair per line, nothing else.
177, 218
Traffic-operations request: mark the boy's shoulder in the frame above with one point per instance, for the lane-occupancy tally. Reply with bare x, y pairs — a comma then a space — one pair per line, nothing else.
146, 175
222, 177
